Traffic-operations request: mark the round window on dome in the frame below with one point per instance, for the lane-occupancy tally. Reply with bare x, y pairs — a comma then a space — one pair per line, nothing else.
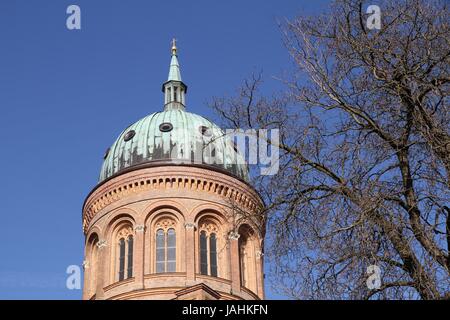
165, 127
205, 131
129, 135
106, 153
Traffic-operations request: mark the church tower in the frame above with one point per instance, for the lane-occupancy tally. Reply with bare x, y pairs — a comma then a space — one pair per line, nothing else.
173, 215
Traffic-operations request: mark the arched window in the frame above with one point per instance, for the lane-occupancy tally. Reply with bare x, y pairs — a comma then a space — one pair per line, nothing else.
166, 250
203, 253
130, 257
208, 250
213, 254
171, 250
124, 266
160, 250
121, 259
243, 261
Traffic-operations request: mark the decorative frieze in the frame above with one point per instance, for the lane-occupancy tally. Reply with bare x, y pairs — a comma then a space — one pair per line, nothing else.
98, 200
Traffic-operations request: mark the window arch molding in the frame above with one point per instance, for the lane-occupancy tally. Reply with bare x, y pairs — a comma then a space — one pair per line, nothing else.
94, 230
171, 223
169, 206
209, 210
117, 217
248, 227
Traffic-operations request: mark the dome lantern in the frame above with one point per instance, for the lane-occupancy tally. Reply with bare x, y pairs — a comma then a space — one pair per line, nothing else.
174, 89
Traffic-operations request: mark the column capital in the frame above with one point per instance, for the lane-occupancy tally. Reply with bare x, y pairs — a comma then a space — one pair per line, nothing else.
190, 225
233, 235
102, 243
139, 228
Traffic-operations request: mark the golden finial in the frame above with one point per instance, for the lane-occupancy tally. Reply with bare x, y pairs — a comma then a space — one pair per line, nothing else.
174, 46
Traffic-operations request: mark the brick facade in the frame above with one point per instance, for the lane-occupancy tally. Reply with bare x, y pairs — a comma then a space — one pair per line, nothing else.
188, 200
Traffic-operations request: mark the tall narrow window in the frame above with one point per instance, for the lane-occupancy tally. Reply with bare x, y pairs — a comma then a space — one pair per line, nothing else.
203, 254
123, 264
171, 250
213, 254
169, 95
242, 261
166, 250
175, 94
130, 257
208, 248
121, 259
160, 251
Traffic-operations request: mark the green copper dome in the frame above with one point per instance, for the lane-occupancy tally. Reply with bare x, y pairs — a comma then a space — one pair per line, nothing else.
173, 136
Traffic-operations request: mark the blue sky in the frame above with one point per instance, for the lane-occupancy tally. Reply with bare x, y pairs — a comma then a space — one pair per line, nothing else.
66, 95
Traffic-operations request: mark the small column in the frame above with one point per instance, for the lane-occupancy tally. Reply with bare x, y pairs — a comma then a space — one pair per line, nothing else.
101, 274
190, 251
235, 263
138, 256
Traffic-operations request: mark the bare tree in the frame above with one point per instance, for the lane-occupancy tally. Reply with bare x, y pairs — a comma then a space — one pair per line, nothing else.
364, 153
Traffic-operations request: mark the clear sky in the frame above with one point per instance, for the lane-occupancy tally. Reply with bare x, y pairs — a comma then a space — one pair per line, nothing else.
66, 95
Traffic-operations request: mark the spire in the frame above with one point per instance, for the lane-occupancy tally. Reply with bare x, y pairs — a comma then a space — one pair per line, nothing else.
174, 89
174, 71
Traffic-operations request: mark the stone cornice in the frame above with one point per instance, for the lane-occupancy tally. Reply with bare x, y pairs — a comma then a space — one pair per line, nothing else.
157, 178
